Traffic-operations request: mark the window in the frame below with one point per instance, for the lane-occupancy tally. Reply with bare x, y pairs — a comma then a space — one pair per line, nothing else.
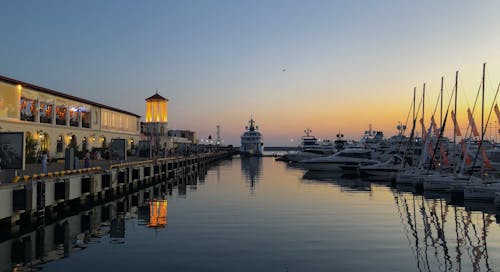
61, 115
86, 119
45, 113
74, 118
28, 110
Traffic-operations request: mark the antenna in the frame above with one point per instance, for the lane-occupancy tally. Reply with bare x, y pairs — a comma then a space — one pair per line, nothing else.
218, 134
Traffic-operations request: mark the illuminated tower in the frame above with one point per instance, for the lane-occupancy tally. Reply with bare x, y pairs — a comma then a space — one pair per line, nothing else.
157, 121
156, 109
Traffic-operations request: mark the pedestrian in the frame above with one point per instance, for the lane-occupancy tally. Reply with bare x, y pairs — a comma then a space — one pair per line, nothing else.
76, 162
44, 159
87, 160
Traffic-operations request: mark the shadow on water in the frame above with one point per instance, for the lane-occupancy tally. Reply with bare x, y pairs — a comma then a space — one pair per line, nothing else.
345, 181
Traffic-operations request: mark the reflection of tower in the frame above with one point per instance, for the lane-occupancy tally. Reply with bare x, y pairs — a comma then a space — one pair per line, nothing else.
157, 214
156, 126
251, 168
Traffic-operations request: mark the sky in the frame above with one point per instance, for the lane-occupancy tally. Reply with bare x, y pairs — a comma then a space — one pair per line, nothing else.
325, 65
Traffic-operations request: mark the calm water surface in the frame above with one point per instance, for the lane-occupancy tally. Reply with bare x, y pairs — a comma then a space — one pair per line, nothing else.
261, 215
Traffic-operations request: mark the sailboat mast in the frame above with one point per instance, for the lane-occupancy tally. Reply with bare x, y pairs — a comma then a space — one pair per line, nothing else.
455, 122
423, 111
482, 103
441, 109
414, 95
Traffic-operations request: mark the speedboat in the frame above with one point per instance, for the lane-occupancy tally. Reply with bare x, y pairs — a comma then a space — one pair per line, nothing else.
346, 160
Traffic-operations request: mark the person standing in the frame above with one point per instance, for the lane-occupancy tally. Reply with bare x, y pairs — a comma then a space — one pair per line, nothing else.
44, 162
87, 160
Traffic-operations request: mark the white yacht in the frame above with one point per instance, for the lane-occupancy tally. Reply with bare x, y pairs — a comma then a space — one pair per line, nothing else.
251, 140
384, 169
309, 142
346, 160
310, 147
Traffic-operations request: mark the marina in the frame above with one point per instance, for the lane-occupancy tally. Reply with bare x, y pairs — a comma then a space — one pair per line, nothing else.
249, 136
232, 215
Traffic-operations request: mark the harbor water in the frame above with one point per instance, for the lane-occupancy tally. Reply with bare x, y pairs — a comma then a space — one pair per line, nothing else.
258, 214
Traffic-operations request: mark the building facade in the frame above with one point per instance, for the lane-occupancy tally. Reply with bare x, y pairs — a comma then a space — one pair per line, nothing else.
56, 120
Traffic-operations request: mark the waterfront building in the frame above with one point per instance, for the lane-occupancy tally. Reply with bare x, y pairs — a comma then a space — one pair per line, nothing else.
57, 120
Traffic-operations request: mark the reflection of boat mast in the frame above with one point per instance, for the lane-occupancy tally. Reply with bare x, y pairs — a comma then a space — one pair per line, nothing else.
412, 227
459, 241
440, 230
427, 232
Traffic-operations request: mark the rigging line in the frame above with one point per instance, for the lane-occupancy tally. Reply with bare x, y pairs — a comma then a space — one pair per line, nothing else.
440, 133
436, 106
483, 130
467, 131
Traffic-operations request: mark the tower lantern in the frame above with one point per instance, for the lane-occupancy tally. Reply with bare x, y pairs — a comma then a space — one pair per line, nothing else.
156, 109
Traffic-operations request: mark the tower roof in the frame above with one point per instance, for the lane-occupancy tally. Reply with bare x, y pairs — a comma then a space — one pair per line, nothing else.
156, 96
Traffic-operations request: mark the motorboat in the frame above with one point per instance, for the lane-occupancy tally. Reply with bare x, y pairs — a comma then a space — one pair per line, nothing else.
346, 160
251, 140
297, 156
384, 169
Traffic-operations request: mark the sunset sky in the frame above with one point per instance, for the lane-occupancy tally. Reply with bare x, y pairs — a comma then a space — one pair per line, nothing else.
326, 65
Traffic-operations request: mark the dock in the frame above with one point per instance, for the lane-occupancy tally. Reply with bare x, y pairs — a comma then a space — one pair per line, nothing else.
45, 196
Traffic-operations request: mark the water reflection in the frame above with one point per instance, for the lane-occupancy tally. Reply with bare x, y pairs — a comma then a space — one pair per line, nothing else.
61, 238
155, 214
251, 168
442, 236
345, 182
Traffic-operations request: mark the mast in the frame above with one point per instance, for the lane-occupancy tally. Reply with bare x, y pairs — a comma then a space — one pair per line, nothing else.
414, 94
423, 111
455, 157
441, 109
482, 102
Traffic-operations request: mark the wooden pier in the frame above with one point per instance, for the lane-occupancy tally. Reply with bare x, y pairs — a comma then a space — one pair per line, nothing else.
44, 196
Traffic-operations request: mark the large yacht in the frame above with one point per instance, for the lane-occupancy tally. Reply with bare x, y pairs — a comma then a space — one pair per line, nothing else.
251, 140
310, 147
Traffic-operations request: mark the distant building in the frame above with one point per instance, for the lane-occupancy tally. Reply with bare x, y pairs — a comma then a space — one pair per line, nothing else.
56, 119
182, 136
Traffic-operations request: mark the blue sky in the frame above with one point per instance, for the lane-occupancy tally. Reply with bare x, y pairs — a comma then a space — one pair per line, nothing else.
348, 63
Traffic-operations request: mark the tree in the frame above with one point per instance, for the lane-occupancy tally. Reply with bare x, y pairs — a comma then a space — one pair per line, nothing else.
31, 145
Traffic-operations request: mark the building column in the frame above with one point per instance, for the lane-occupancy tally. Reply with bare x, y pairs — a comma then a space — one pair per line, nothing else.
54, 114
79, 118
37, 111
67, 116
